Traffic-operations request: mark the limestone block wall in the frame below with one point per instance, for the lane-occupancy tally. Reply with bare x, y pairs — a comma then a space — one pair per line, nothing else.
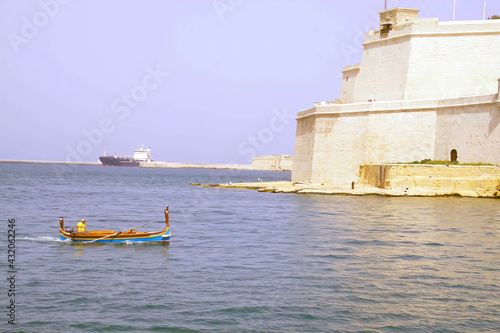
384, 69
373, 175
337, 151
448, 65
399, 136
334, 140
427, 59
437, 178
303, 151
287, 163
273, 162
348, 89
398, 15
342, 142
473, 131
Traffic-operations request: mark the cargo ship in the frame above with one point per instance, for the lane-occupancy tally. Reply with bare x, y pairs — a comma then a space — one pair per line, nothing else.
140, 155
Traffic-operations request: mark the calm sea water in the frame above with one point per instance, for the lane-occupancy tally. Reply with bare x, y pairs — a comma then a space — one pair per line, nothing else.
244, 261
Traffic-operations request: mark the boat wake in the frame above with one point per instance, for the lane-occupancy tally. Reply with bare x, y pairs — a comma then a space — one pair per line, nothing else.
43, 239
49, 239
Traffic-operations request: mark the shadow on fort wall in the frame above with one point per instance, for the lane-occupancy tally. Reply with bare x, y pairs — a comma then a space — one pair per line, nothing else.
494, 121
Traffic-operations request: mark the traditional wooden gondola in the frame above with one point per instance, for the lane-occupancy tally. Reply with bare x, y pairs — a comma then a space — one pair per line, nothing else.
110, 236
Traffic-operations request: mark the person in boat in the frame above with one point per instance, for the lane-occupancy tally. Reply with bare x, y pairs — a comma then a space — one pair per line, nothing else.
81, 227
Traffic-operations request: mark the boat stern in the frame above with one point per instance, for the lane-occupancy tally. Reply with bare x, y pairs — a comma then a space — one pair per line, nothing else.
64, 234
166, 237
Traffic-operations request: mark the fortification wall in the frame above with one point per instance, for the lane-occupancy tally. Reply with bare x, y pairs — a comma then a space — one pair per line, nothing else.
465, 180
453, 65
273, 162
423, 88
344, 141
303, 150
383, 71
349, 79
473, 131
337, 148
427, 59
340, 138
399, 136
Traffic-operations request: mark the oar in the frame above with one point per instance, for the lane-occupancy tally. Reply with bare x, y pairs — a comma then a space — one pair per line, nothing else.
119, 232
95, 240
138, 227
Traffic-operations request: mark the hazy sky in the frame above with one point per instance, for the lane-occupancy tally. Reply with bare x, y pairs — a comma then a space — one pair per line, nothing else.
204, 81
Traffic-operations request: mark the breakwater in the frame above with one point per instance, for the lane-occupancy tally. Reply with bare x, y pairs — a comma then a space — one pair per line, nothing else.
51, 162
156, 164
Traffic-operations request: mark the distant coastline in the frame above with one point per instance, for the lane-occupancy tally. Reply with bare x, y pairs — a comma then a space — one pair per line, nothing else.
161, 165
50, 162
197, 166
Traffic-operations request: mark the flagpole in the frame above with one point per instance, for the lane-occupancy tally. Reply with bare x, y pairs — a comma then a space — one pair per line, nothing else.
484, 11
454, 6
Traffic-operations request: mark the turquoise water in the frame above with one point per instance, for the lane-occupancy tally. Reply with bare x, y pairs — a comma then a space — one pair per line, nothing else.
244, 261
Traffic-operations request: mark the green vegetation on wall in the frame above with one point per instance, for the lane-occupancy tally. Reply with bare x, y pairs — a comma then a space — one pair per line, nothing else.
441, 162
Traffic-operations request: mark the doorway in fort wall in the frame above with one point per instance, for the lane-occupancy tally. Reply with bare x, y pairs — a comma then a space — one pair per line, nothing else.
453, 155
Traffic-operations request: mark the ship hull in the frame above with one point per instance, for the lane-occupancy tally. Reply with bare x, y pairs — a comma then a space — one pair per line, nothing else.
119, 161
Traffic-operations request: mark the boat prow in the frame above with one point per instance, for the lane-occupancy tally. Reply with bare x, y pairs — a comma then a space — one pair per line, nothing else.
110, 236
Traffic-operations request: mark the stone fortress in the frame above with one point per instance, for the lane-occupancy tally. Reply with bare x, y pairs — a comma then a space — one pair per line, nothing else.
424, 90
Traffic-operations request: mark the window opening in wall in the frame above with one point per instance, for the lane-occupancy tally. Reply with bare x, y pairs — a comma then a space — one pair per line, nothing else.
453, 155
347, 79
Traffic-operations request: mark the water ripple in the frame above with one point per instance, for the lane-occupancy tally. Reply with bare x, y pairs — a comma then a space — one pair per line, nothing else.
244, 261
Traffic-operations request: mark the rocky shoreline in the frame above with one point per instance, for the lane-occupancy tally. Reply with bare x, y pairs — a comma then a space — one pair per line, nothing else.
359, 190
